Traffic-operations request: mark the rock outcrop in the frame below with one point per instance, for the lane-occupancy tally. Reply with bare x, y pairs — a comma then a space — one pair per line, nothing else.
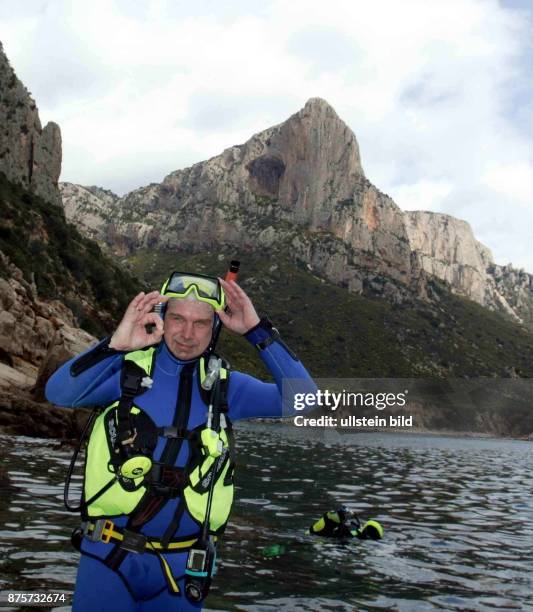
29, 327
66, 342
513, 291
299, 188
88, 207
35, 338
446, 248
29, 154
21, 415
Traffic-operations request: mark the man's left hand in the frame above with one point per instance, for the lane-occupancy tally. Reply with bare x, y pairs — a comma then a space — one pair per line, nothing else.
242, 316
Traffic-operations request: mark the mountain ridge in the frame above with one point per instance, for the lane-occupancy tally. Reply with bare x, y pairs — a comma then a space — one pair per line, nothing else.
300, 186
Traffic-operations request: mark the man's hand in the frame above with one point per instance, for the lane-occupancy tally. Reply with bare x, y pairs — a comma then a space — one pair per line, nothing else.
131, 334
242, 316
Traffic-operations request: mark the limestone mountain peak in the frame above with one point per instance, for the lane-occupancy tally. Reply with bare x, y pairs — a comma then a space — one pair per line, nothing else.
318, 109
306, 164
298, 187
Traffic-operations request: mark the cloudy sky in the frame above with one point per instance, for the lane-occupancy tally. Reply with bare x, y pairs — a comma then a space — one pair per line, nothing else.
439, 94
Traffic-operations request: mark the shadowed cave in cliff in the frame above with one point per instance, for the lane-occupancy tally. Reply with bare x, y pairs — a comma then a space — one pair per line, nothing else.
265, 174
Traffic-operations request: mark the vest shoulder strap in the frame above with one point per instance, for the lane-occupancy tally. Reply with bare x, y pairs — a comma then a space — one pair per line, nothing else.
134, 380
144, 358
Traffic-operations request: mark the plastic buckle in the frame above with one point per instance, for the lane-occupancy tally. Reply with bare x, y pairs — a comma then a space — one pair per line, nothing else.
173, 432
96, 533
133, 542
130, 384
107, 531
170, 432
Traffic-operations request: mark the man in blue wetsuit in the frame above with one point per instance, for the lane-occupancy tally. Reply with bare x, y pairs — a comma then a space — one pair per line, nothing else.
160, 458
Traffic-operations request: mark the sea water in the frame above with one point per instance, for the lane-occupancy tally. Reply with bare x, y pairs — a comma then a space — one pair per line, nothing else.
457, 514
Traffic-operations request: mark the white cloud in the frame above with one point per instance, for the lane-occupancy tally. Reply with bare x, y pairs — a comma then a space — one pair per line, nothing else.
514, 181
437, 93
422, 195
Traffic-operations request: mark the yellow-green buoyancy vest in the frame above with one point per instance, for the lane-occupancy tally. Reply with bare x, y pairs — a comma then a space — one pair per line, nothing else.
108, 493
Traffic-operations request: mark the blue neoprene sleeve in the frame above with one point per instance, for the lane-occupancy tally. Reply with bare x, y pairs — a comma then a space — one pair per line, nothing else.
98, 385
249, 397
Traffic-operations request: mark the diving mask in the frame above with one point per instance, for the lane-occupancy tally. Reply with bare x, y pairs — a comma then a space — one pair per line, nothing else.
205, 288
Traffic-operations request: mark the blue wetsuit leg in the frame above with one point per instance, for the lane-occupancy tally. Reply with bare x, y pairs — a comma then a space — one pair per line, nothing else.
100, 589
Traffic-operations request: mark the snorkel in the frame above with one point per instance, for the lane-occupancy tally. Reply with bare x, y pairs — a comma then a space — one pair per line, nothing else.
231, 275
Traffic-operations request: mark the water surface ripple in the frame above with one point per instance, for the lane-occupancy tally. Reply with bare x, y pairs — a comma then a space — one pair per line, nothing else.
457, 513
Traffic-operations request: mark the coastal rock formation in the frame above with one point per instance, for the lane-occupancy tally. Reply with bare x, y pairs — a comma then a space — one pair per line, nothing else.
297, 187
67, 342
30, 157
53, 280
446, 248
29, 154
29, 327
21, 415
36, 337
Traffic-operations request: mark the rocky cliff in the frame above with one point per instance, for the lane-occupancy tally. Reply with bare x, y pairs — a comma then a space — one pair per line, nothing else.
299, 187
36, 336
513, 290
88, 207
30, 157
29, 326
445, 247
29, 154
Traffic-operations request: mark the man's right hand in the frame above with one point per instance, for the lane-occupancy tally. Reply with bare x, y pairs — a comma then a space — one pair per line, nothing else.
131, 333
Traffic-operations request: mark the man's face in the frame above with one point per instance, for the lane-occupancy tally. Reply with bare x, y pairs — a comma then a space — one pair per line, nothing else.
188, 327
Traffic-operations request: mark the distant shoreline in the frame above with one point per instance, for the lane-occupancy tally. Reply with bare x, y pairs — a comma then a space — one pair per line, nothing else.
416, 431
21, 415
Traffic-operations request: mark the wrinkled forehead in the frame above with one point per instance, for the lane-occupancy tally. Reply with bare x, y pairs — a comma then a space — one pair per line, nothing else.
190, 307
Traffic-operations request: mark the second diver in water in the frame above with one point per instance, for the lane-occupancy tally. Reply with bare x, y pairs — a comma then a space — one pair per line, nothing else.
343, 524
